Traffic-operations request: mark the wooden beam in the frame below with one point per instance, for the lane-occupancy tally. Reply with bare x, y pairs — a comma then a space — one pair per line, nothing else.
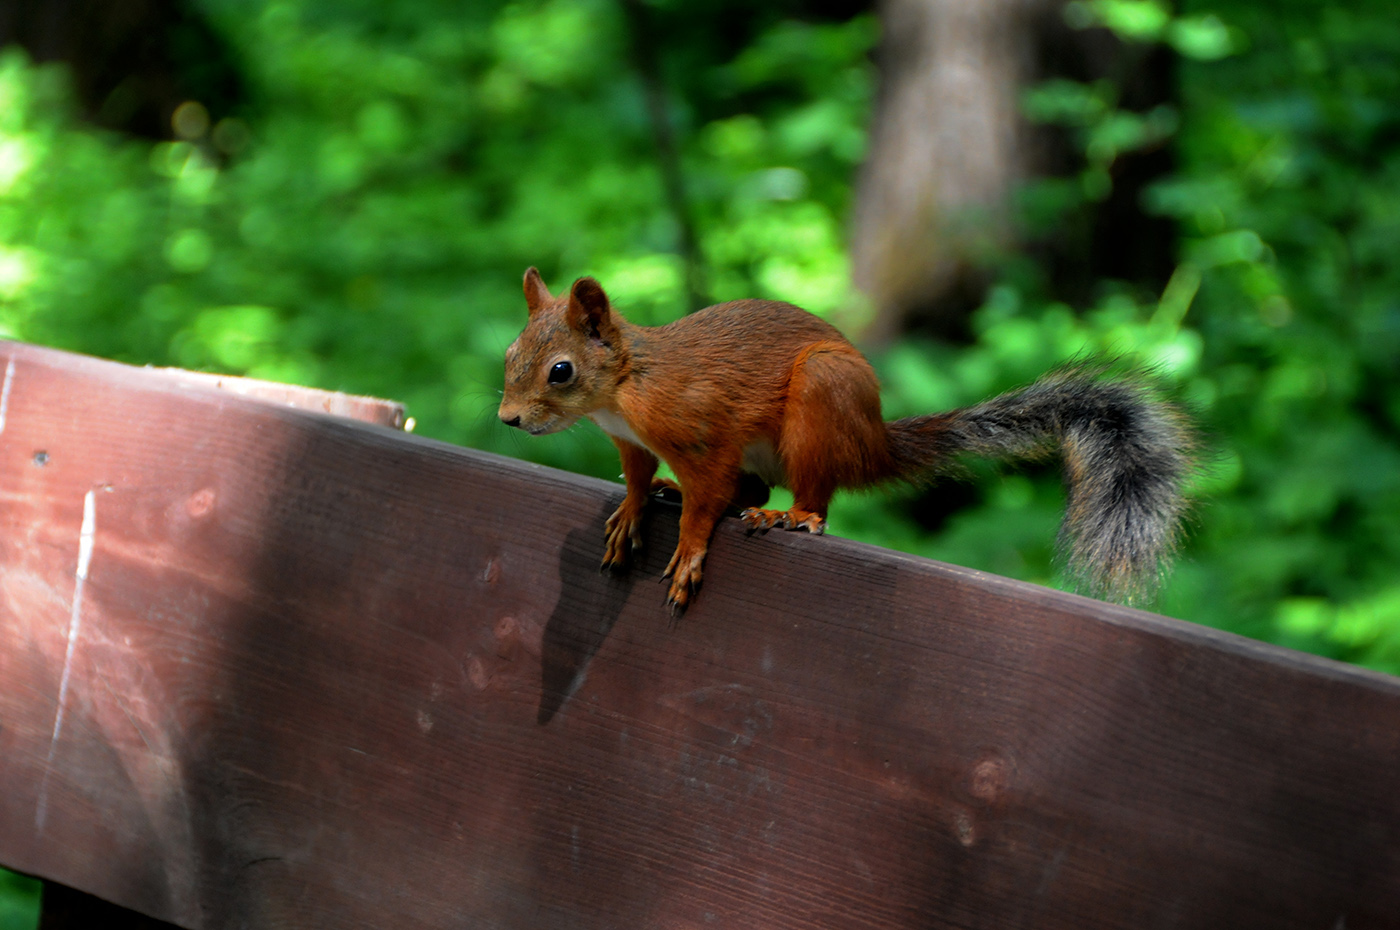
266, 667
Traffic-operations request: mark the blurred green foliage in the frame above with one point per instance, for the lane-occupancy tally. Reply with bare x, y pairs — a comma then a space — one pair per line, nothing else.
363, 226
19, 902
366, 226
1280, 325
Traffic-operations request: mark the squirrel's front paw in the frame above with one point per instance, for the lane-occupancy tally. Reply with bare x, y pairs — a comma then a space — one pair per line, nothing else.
684, 572
623, 534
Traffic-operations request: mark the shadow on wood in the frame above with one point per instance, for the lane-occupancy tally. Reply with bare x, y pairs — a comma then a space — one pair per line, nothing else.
589, 604
261, 666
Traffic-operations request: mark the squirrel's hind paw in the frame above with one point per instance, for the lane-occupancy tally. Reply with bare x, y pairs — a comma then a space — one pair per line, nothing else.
756, 519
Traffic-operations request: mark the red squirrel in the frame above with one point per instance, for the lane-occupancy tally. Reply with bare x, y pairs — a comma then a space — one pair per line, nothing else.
744, 395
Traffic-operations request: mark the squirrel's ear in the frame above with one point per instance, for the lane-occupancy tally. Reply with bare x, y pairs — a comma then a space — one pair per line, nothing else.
536, 294
589, 311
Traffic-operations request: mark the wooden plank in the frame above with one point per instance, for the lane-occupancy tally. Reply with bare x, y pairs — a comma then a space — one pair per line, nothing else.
369, 409
322, 674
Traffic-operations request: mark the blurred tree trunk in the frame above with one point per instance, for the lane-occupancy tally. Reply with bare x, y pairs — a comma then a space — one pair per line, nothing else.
948, 148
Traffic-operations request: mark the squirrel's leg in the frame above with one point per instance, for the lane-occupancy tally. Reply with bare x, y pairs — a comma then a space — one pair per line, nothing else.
832, 435
624, 527
706, 490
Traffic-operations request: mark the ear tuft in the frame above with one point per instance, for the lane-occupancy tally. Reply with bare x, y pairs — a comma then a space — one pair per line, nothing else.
536, 294
588, 293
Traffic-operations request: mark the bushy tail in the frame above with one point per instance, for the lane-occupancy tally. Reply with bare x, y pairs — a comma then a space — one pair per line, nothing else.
1126, 458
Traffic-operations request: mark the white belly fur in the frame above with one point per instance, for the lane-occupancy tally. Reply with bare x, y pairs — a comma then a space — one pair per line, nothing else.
760, 458
614, 425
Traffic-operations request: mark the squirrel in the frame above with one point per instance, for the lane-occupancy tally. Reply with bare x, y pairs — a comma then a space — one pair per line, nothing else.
745, 395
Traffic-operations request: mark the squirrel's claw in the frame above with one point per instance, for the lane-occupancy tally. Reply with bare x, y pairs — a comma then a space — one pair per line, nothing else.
623, 535
684, 572
757, 519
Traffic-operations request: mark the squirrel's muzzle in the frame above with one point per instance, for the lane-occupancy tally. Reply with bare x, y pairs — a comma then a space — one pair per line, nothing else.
509, 414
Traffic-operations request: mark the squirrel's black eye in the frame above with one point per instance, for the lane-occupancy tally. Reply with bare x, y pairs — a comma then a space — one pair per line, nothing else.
561, 372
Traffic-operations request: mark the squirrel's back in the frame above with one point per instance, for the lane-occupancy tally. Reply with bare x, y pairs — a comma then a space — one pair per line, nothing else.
755, 328
725, 369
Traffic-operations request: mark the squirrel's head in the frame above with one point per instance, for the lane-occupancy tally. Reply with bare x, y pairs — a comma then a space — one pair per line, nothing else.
566, 362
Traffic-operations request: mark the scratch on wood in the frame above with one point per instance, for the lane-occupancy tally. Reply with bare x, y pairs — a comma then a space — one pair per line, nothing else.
85, 541
250, 864
5, 392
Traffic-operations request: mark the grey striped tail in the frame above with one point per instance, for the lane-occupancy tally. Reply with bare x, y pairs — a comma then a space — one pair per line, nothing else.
1126, 460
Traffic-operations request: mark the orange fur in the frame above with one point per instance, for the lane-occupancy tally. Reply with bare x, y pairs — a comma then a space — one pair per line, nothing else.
762, 388
761, 376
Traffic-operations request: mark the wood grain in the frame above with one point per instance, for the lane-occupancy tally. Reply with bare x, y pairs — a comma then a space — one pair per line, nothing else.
324, 674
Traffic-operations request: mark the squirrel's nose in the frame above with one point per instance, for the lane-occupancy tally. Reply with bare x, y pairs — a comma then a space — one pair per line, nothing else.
513, 421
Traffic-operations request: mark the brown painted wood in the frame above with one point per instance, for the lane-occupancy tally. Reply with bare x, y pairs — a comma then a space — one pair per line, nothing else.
369, 409
323, 674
